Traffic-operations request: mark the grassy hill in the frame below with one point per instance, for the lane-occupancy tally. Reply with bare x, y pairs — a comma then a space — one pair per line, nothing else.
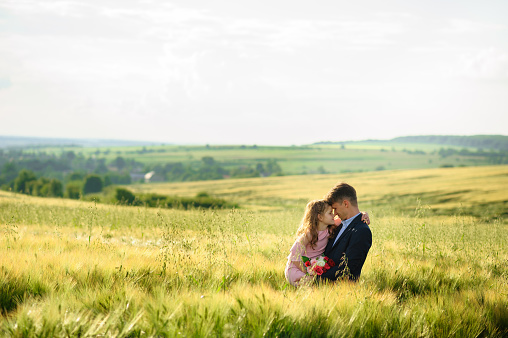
499, 142
74, 268
466, 191
495, 142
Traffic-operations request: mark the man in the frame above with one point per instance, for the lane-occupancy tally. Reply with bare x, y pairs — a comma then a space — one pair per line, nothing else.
350, 243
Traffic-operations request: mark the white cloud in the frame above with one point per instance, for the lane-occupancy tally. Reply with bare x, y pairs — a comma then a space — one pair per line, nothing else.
487, 64
464, 26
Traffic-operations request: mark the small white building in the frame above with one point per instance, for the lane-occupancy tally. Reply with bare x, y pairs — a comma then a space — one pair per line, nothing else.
153, 177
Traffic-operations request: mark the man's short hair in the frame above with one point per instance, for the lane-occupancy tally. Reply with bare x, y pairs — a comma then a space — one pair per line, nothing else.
340, 192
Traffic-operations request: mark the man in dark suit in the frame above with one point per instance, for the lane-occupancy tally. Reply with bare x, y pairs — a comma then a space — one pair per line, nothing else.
349, 244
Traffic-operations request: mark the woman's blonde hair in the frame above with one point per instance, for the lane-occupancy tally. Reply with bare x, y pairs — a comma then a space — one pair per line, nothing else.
310, 220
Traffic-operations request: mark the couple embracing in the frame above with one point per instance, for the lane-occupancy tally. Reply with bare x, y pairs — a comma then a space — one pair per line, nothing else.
332, 241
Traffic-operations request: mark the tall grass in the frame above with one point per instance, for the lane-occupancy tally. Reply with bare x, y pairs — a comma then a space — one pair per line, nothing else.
80, 269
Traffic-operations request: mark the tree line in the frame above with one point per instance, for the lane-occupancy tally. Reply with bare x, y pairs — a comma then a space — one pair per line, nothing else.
209, 169
65, 167
494, 157
74, 175
497, 142
28, 183
491, 142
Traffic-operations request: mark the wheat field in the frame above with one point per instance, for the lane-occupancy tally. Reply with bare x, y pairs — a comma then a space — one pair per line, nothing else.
438, 265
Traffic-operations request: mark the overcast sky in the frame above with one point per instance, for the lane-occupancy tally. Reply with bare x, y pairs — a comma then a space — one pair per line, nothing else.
253, 72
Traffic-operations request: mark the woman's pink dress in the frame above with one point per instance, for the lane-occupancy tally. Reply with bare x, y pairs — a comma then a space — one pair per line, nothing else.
293, 274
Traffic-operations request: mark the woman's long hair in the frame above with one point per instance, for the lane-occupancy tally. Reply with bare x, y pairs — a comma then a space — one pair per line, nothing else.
310, 220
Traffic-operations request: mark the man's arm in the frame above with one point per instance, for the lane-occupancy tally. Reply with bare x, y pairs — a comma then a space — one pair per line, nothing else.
356, 252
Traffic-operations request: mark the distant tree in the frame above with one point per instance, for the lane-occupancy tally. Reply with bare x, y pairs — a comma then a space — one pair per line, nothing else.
47, 188
124, 196
208, 161
55, 188
8, 172
447, 152
35, 187
70, 155
89, 164
244, 172
159, 169
260, 168
75, 176
73, 189
107, 181
119, 163
273, 167
93, 183
116, 178
214, 172
176, 172
101, 167
20, 183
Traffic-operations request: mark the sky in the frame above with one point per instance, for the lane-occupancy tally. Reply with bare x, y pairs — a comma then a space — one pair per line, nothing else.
260, 72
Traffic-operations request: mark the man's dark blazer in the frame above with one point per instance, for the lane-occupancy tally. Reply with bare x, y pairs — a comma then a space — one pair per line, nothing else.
349, 252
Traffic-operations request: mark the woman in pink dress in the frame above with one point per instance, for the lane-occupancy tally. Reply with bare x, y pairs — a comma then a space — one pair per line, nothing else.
317, 226
312, 236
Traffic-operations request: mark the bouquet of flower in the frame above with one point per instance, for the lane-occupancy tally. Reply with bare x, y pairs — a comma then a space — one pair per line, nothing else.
317, 266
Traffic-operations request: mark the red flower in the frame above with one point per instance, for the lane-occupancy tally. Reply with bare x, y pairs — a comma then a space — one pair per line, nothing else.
307, 263
318, 270
327, 267
326, 258
331, 262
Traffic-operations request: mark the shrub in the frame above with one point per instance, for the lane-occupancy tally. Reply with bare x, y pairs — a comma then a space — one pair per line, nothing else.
93, 184
20, 183
200, 201
54, 188
124, 196
73, 190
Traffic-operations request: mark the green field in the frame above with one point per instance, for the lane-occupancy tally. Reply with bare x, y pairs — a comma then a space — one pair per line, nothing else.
438, 265
294, 160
